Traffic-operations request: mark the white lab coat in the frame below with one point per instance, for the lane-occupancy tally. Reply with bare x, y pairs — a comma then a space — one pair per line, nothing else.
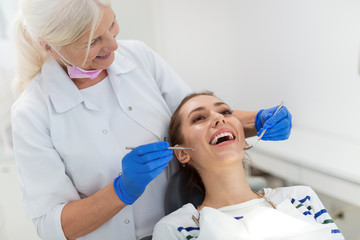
65, 149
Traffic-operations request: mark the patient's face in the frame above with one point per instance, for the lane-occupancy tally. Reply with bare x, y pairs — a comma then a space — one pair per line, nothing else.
209, 126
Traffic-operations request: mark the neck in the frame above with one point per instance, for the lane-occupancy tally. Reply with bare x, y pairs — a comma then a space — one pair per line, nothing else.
226, 187
82, 83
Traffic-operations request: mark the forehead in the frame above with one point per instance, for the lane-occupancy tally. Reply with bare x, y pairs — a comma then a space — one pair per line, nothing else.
106, 18
204, 101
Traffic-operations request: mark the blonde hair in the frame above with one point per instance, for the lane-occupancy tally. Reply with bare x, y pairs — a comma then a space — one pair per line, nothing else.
57, 22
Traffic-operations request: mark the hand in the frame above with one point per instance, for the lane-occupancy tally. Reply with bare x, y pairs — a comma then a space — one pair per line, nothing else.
139, 168
278, 126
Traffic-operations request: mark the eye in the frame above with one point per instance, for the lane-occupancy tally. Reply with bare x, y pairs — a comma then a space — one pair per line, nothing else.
197, 118
93, 42
226, 111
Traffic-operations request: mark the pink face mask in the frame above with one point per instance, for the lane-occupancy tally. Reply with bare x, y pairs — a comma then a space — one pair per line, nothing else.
76, 72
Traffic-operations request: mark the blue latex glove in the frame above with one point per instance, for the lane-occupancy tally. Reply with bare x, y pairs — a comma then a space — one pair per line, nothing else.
278, 126
139, 168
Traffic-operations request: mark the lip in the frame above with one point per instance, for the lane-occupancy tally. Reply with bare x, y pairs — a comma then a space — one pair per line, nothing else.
222, 131
104, 57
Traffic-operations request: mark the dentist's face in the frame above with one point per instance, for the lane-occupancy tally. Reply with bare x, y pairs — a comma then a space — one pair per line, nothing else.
209, 125
103, 45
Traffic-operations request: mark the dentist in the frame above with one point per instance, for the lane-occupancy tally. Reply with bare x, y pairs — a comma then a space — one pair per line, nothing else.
85, 96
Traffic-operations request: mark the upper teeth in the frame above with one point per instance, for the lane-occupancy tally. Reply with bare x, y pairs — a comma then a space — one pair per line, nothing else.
214, 141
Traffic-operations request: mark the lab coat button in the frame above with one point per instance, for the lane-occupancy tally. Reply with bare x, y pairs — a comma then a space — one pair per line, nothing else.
105, 131
129, 108
127, 221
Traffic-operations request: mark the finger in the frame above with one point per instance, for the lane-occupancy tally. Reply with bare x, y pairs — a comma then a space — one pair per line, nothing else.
281, 132
155, 172
156, 164
150, 157
151, 147
283, 113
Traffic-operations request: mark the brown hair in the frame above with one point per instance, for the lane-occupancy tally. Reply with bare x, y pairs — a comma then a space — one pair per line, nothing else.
176, 137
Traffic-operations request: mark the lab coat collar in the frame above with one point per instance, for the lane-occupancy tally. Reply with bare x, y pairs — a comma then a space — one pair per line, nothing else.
63, 92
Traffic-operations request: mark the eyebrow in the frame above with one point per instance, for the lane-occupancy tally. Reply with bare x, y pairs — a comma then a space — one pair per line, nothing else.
101, 35
202, 108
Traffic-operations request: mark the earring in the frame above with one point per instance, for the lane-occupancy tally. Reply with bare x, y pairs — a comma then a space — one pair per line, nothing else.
183, 165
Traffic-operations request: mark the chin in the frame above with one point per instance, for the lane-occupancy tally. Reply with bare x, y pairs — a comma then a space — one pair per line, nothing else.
231, 156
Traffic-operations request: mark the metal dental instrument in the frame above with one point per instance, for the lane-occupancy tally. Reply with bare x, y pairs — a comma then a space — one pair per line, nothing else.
170, 148
248, 147
264, 131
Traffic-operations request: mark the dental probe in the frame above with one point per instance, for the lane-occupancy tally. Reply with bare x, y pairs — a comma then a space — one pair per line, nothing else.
170, 148
264, 131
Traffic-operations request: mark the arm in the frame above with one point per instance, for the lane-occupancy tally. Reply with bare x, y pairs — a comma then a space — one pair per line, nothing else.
247, 118
46, 187
322, 216
140, 167
50, 196
81, 217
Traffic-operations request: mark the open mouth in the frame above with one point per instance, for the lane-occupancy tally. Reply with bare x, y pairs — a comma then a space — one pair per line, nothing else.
221, 138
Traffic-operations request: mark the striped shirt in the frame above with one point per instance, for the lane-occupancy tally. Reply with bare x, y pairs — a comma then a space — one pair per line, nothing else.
180, 225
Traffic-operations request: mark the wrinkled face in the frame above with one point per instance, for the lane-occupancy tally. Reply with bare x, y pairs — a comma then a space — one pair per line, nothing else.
209, 126
103, 45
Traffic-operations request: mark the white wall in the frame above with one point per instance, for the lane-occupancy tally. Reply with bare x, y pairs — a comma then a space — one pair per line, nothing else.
135, 20
254, 54
257, 53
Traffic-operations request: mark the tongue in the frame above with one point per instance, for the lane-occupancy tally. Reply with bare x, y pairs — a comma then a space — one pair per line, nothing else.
222, 139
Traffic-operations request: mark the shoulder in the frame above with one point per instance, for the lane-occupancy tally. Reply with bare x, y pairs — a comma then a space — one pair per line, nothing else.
177, 225
181, 216
32, 99
299, 193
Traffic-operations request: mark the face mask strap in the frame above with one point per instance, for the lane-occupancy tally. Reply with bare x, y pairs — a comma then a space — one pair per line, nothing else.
68, 62
76, 72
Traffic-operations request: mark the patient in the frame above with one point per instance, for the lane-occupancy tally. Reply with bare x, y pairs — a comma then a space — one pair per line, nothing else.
231, 210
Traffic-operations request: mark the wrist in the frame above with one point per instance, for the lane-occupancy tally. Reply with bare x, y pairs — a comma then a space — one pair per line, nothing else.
258, 124
121, 192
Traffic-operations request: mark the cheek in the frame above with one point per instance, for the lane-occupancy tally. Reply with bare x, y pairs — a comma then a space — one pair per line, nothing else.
194, 136
94, 51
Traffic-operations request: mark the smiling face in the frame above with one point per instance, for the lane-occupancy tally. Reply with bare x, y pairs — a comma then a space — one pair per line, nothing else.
208, 125
103, 45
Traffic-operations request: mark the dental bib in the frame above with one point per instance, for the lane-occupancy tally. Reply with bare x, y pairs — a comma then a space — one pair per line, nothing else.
262, 223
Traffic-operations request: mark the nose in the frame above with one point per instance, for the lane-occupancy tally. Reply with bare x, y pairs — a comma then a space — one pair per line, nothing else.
217, 119
111, 44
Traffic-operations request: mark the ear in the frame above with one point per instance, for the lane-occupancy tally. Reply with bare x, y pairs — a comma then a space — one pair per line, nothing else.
45, 46
181, 155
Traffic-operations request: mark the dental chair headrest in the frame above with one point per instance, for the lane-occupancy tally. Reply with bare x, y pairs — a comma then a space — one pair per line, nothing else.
178, 194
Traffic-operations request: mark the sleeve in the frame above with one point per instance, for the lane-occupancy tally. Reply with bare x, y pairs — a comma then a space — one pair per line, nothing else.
164, 231
322, 216
172, 87
48, 226
43, 181
310, 203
